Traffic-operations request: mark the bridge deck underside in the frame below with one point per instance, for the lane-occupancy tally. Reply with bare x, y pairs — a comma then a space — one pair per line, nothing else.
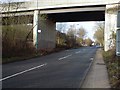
78, 16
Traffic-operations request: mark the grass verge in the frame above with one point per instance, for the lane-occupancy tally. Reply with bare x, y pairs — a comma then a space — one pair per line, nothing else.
113, 67
40, 53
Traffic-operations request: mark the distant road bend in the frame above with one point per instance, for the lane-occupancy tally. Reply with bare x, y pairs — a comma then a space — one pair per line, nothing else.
64, 69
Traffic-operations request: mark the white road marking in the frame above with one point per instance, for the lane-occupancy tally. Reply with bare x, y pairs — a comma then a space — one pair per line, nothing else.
23, 72
91, 59
65, 57
77, 52
67, 50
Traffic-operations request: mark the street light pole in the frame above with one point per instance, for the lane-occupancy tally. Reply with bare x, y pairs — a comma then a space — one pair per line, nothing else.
37, 4
76, 32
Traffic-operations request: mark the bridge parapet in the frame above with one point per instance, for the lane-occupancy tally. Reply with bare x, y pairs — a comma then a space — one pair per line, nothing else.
67, 3
45, 4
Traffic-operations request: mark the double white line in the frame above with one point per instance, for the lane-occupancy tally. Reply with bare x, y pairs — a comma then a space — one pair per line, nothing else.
19, 73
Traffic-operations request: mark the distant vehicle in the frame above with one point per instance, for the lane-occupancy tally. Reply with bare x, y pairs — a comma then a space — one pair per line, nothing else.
98, 46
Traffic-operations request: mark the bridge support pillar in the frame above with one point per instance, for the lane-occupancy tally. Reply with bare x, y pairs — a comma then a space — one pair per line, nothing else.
110, 26
47, 34
35, 28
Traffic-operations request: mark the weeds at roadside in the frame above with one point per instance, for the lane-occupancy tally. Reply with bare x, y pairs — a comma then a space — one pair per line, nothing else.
113, 67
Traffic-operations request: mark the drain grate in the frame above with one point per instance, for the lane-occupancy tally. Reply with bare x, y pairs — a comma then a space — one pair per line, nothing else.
100, 63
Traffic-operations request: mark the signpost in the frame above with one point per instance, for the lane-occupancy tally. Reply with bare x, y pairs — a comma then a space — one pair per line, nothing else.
118, 35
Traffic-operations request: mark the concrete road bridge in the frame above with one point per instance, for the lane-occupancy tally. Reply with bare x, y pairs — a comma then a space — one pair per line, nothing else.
66, 11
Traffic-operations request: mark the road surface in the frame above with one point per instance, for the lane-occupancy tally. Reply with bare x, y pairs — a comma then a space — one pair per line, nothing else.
64, 69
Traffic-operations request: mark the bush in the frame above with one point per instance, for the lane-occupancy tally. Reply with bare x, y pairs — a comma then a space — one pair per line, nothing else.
113, 67
19, 49
14, 42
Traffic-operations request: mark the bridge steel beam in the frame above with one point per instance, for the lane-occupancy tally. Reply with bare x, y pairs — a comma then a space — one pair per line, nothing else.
110, 26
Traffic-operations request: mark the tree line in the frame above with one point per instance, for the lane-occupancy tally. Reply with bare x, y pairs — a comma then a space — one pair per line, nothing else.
73, 37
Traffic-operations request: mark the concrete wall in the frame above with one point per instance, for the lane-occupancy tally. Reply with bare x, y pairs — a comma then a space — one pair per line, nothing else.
47, 36
110, 25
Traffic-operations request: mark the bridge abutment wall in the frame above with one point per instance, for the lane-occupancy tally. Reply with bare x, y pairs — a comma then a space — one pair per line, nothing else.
110, 26
46, 34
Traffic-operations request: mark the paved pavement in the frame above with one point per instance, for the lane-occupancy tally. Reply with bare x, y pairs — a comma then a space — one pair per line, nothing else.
97, 76
64, 69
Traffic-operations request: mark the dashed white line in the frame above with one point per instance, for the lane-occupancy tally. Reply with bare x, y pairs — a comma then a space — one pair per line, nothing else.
91, 59
23, 72
67, 50
77, 52
65, 57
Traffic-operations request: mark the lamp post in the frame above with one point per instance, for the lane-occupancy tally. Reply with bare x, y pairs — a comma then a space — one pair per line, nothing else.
76, 32
37, 4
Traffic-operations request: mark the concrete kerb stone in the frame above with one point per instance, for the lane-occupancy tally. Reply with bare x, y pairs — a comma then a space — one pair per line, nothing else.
87, 71
97, 75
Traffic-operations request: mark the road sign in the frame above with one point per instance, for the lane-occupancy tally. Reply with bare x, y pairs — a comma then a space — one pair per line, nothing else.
118, 35
118, 19
118, 42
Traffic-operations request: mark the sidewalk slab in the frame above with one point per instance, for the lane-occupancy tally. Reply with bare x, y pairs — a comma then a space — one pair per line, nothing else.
97, 76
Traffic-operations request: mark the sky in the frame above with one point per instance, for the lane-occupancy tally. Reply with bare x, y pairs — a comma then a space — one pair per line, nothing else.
88, 26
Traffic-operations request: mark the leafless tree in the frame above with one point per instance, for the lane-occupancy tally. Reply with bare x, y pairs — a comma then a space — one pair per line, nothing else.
99, 34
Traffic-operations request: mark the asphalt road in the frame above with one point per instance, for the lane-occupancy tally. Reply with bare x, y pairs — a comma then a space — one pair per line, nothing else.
64, 69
